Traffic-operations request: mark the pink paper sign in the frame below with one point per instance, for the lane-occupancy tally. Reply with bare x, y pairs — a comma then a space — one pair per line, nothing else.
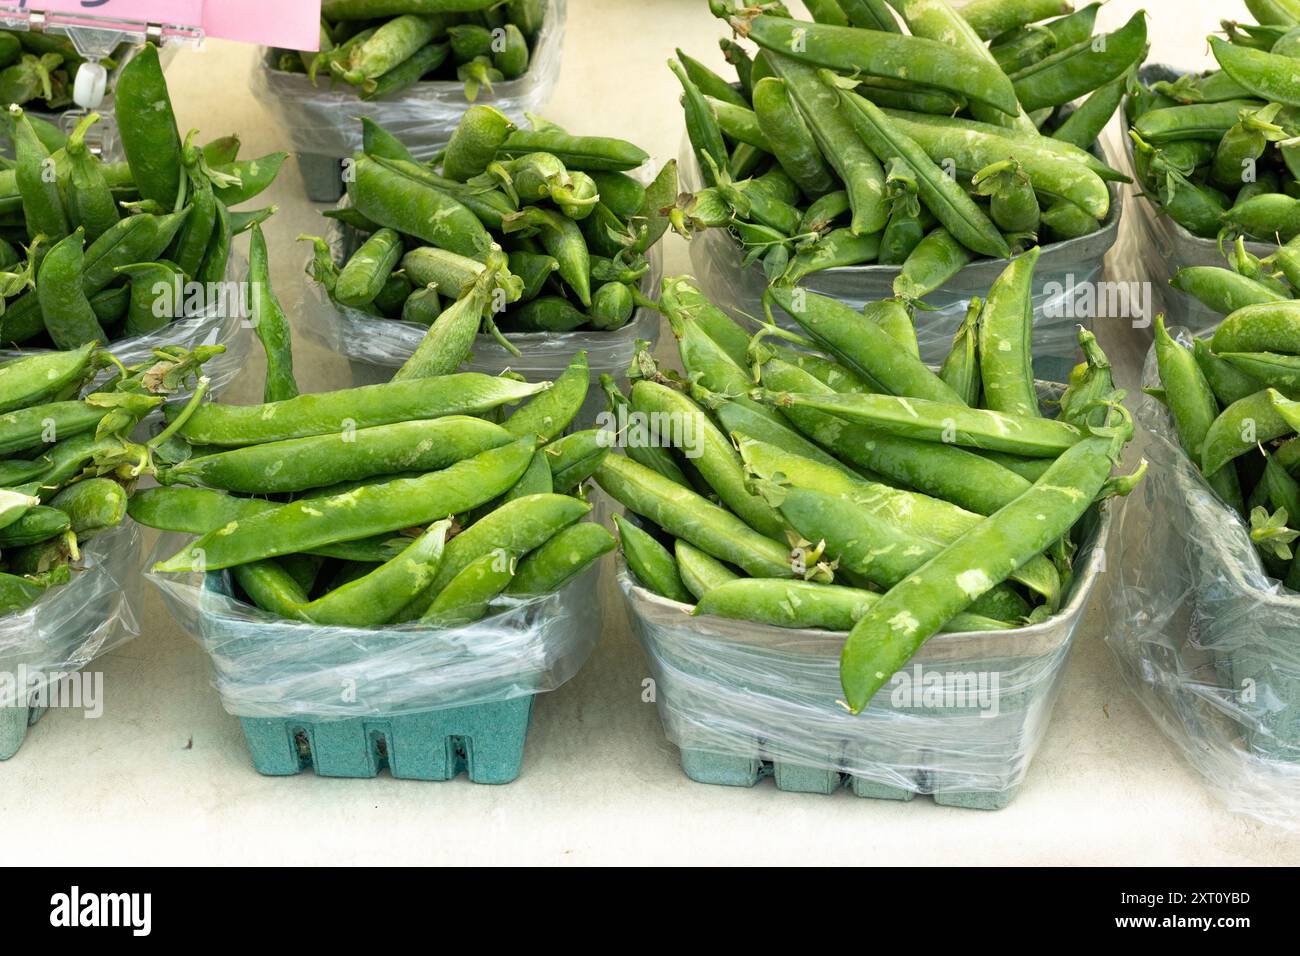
288, 23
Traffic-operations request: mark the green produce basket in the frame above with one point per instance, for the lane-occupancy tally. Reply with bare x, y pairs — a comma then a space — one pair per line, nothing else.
960, 723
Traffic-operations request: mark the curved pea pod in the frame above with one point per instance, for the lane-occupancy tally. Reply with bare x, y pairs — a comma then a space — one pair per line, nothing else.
1197, 208
394, 42
41, 203
1244, 144
473, 146
903, 96
1006, 339
450, 339
947, 200
1207, 121
490, 205
270, 323
644, 453
453, 274
300, 464
1260, 328
1214, 86
547, 415
612, 306
901, 621
66, 310
588, 153
157, 295
17, 593
836, 249
469, 41
468, 597
362, 512
992, 18
533, 269
961, 367
1223, 290
651, 563
512, 56
423, 306
31, 380
1064, 220
254, 176
700, 572
91, 203
621, 194
364, 275
548, 313
790, 139
1228, 382
417, 210
1268, 75
1024, 48
857, 167
1271, 369
1013, 204
408, 73
678, 293
92, 506
563, 240
1080, 69
1241, 427
907, 226
824, 211
147, 126
575, 457
465, 393
879, 53
36, 525
935, 259
863, 346
895, 317
579, 198
1271, 216
686, 515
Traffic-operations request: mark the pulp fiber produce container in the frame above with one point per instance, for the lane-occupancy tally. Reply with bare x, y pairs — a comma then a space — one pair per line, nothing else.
1208, 641
376, 347
1164, 247
1064, 280
321, 125
960, 722
66, 630
425, 703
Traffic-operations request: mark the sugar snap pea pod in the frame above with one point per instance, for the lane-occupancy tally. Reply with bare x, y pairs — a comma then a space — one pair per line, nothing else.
906, 228
791, 141
1063, 220
392, 295
450, 338
13, 505
93, 505
30, 380
1005, 340
863, 346
548, 313
37, 525
423, 306
536, 480
961, 367
369, 268
481, 132
1244, 144
147, 126
533, 269
91, 203
1241, 427
1195, 121
271, 587
563, 240
1013, 204
679, 294
895, 317
739, 124
42, 206
1083, 127
705, 361
651, 563
612, 306
1260, 328
857, 167
933, 421
1271, 217
216, 256
575, 457
407, 73
746, 160
616, 420
417, 209
992, 18
1267, 75
1080, 69
823, 212
686, 515
578, 199
67, 312
362, 512
512, 56
394, 42
898, 95
467, 597
300, 464
1228, 382
465, 393
17, 593
270, 323
901, 621
935, 259
947, 200
740, 420
621, 193
827, 11
453, 274
547, 415
710, 452
915, 59
1223, 290
836, 249
378, 142
1281, 372
588, 153
1023, 48
489, 205
157, 295
870, 15
709, 83
700, 572
564, 556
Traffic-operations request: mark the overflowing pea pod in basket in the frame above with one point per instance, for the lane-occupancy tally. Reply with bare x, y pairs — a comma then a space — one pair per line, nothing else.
847, 141
831, 480
1219, 152
108, 251
569, 224
384, 47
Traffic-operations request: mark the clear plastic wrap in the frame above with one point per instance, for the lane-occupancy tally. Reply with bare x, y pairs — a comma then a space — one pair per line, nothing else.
1164, 247
1205, 638
269, 667
388, 343
74, 624
1065, 272
322, 120
733, 689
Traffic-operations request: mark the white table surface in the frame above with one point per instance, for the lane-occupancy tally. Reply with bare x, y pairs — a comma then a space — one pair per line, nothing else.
164, 776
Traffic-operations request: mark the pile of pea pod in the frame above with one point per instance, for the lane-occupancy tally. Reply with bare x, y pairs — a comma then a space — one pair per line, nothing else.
423, 501
832, 480
101, 241
39, 68
574, 226
1233, 399
66, 459
1219, 152
384, 47
846, 141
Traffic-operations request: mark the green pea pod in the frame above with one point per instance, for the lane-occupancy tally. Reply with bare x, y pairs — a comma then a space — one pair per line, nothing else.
423, 306
1242, 427
948, 201
1005, 340
1228, 382
1082, 68
1223, 290
533, 269
548, 313
588, 153
157, 295
91, 204
17, 593
709, 83
562, 558
575, 457
390, 45
547, 415
1268, 217
450, 338
740, 124
836, 249
915, 59
700, 572
36, 525
479, 135
147, 126
1085, 124
92, 506
563, 240
29, 381
1260, 328
822, 213
961, 368
1024, 48
466, 597
217, 256
657, 459
254, 176
857, 167
1269, 76
195, 237
651, 562
791, 140
1244, 144
270, 323
1013, 204
364, 276
407, 73
416, 209
701, 126
1064, 220
906, 228
1198, 121
898, 95
66, 310
934, 260
42, 207
612, 306
622, 194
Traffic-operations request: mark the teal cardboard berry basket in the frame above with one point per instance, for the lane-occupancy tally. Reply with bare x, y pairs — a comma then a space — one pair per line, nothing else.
960, 723
422, 703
